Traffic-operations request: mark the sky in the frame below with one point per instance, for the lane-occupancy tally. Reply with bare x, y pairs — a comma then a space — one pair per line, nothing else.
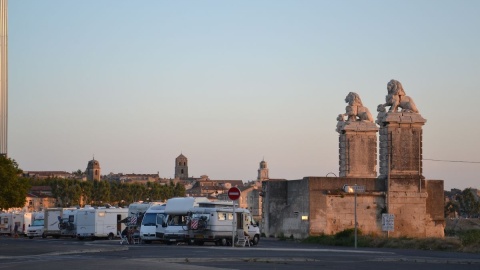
228, 84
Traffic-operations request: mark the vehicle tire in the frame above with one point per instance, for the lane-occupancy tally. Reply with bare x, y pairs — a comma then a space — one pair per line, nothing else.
223, 242
110, 236
56, 236
255, 240
44, 235
30, 237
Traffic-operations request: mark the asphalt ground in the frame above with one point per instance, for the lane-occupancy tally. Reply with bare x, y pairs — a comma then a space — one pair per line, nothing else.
24, 253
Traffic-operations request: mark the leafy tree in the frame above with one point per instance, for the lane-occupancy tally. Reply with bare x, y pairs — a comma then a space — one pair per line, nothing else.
469, 205
13, 188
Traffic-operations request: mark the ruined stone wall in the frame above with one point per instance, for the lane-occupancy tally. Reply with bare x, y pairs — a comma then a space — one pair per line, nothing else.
332, 210
285, 204
408, 203
435, 220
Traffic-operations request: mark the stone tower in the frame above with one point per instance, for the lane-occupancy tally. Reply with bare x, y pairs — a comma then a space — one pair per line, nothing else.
263, 171
416, 204
3, 78
400, 135
357, 140
93, 170
181, 167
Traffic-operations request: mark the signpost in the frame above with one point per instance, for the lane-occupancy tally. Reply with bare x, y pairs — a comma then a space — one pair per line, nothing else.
354, 189
234, 194
388, 222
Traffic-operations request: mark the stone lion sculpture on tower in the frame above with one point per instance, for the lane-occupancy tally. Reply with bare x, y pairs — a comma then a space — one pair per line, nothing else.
397, 98
355, 109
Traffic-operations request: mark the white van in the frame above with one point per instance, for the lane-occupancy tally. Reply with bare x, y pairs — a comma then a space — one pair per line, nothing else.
100, 222
35, 229
151, 228
213, 222
177, 209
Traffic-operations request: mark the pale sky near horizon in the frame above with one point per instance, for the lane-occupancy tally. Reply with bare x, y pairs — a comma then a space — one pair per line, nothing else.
229, 83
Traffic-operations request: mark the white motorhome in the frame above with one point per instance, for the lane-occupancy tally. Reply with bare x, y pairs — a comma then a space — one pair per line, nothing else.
213, 222
54, 222
151, 228
35, 229
100, 222
175, 227
137, 210
9, 220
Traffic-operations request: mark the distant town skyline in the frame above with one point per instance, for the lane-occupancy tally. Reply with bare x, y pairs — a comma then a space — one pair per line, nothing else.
230, 83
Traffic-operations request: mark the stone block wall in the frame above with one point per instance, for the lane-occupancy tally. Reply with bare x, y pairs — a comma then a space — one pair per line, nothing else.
358, 150
285, 202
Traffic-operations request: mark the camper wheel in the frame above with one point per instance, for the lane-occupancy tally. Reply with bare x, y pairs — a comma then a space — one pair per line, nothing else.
44, 235
223, 242
255, 240
110, 236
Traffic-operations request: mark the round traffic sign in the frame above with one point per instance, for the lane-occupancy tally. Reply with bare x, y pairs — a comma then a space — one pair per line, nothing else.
234, 193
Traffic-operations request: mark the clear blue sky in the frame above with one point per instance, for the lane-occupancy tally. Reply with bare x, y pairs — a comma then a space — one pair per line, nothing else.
228, 83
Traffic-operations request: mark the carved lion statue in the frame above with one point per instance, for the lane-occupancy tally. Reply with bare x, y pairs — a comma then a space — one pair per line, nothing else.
396, 98
356, 109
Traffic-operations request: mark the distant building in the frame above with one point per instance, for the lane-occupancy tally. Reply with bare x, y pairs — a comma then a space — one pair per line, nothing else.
181, 167
47, 174
93, 170
263, 171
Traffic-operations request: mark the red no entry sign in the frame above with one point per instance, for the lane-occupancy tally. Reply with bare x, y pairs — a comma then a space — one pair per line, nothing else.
234, 193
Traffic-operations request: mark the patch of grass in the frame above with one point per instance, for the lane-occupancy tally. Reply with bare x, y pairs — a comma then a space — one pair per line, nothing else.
468, 241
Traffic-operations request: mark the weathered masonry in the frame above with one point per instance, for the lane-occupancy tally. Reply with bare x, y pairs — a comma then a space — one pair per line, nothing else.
319, 205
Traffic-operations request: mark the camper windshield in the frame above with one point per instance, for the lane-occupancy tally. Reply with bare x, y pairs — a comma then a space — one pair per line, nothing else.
37, 222
149, 219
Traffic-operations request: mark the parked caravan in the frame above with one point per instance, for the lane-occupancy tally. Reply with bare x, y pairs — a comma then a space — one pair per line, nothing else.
175, 227
35, 229
54, 219
10, 220
152, 221
136, 211
213, 222
100, 222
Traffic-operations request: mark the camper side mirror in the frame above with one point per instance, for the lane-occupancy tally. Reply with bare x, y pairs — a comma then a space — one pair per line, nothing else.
164, 224
28, 225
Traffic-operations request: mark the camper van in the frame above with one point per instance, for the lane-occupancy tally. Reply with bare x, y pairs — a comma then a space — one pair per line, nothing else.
100, 222
9, 220
56, 222
35, 229
136, 211
213, 222
152, 222
175, 226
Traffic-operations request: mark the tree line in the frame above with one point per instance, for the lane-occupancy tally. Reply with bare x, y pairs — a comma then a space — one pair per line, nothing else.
73, 192
463, 204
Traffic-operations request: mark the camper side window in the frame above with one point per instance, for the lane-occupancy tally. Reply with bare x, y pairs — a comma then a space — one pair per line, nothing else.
222, 216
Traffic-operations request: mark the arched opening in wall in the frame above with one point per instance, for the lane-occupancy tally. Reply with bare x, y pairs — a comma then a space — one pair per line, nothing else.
181, 171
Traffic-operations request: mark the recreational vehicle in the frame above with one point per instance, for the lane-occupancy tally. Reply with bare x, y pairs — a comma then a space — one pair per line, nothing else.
100, 222
35, 229
56, 222
152, 223
10, 220
176, 210
213, 222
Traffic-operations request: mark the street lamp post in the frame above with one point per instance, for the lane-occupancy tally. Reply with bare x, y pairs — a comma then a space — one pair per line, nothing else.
354, 189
